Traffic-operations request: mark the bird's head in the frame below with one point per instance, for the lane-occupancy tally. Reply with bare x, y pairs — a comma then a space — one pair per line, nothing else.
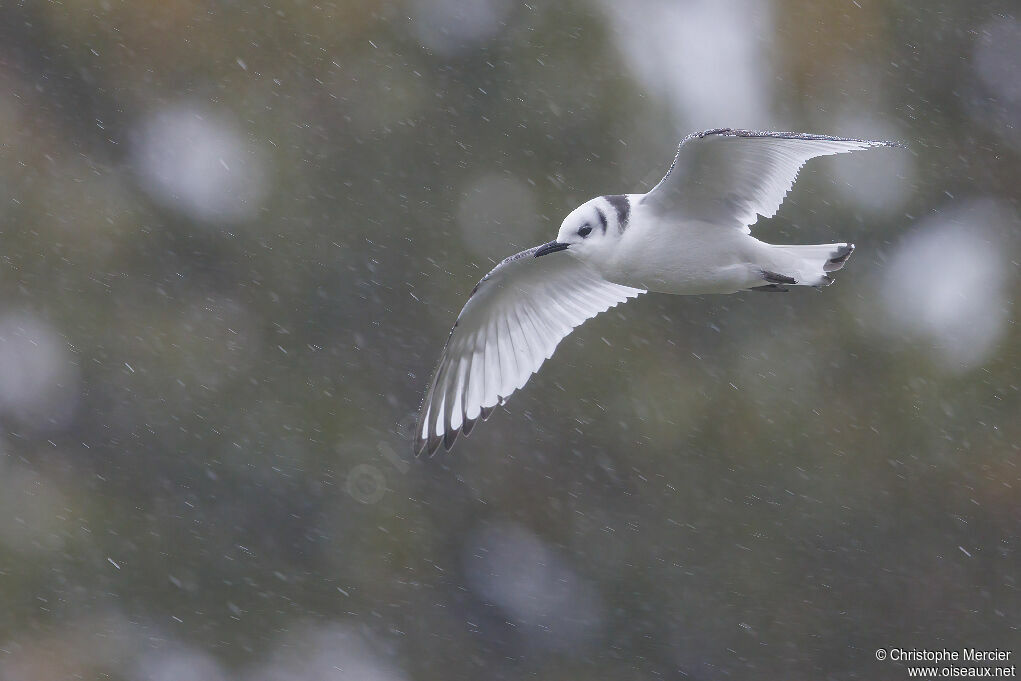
591, 227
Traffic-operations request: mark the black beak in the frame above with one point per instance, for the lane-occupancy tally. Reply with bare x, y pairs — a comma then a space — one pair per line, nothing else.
551, 247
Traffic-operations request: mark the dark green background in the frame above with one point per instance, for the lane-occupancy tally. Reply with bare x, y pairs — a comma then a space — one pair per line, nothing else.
722, 487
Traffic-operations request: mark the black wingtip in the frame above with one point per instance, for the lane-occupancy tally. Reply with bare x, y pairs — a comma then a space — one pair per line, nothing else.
419, 446
449, 438
433, 443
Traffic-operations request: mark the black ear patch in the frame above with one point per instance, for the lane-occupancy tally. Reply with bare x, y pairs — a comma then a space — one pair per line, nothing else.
602, 218
622, 204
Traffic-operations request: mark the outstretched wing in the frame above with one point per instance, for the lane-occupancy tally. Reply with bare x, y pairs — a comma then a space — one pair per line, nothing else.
730, 177
510, 325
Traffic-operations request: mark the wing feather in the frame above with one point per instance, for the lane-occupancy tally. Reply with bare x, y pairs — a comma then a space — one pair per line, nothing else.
505, 346
492, 365
511, 324
476, 385
731, 177
529, 347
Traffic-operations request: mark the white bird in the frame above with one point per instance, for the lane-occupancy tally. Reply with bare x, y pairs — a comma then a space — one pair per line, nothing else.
690, 235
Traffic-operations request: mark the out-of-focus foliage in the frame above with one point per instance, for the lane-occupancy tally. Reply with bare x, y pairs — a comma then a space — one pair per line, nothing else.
234, 236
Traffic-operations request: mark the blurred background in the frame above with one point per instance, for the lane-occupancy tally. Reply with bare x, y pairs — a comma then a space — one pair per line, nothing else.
235, 236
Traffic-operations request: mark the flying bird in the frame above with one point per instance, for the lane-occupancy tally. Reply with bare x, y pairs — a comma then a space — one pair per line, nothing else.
689, 235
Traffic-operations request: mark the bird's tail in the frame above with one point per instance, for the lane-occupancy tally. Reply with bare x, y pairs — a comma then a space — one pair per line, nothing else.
812, 265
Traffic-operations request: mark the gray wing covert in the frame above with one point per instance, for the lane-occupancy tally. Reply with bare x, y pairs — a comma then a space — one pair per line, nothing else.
730, 177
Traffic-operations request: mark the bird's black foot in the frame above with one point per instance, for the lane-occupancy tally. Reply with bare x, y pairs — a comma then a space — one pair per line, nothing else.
774, 278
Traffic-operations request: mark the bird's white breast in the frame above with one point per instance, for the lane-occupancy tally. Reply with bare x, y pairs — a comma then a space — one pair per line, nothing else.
680, 257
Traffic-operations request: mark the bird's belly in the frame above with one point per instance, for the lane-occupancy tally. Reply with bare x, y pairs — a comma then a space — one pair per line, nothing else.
693, 266
695, 280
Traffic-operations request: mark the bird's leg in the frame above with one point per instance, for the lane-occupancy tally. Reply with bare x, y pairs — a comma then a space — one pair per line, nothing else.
775, 282
774, 278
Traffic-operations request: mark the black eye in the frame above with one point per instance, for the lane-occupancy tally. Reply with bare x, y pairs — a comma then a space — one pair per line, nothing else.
585, 231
